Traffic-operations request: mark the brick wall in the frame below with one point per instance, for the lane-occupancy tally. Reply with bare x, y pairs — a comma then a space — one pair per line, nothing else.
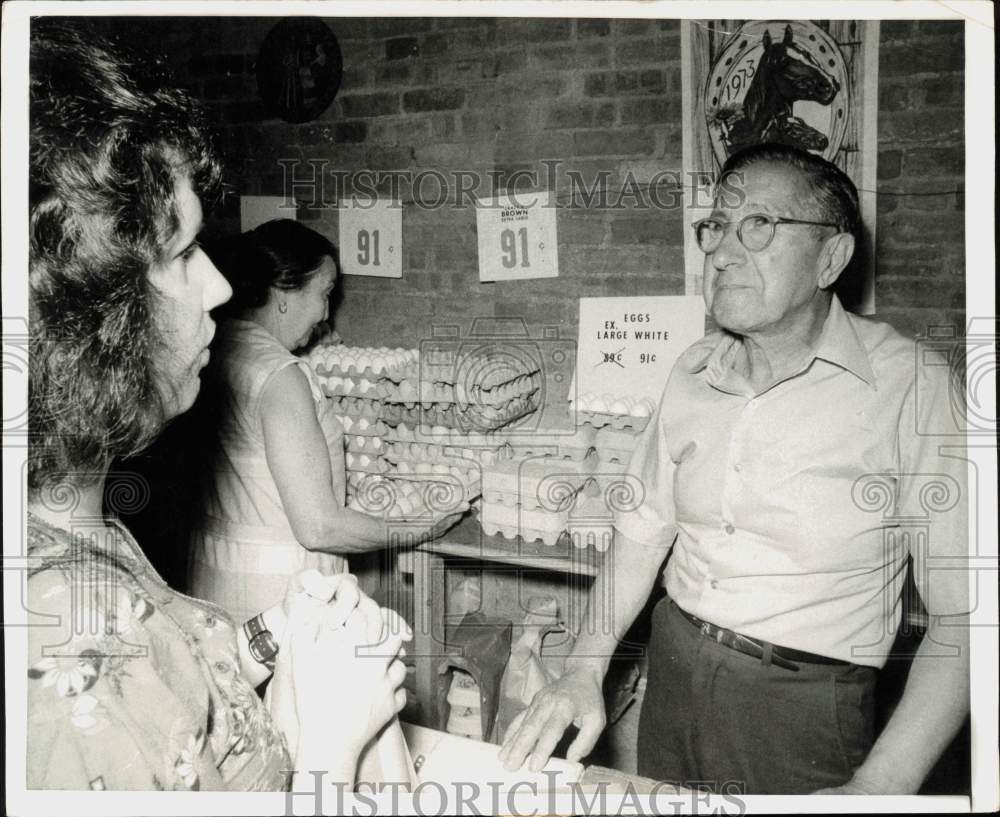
500, 95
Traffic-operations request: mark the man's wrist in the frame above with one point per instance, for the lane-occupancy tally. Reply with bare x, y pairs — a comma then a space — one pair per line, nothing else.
591, 666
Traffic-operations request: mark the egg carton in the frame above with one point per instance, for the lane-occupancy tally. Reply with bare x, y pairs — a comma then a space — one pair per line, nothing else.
527, 524
411, 391
618, 421
600, 410
616, 443
365, 444
343, 386
450, 455
450, 489
439, 494
365, 463
392, 499
363, 426
498, 369
502, 393
537, 482
352, 361
357, 407
443, 435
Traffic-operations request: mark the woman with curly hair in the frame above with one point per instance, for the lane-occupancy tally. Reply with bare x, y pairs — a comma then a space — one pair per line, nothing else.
132, 685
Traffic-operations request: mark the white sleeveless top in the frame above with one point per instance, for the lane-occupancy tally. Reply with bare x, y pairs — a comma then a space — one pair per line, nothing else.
244, 550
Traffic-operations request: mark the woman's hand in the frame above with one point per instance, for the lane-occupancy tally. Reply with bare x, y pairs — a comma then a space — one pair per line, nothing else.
341, 677
341, 592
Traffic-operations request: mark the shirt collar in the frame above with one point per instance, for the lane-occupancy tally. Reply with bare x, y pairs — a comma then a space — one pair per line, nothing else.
838, 344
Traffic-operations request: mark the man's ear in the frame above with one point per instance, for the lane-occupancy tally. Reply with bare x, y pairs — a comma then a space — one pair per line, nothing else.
833, 259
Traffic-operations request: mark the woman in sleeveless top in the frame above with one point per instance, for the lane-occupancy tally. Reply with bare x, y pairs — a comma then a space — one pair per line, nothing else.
132, 685
276, 499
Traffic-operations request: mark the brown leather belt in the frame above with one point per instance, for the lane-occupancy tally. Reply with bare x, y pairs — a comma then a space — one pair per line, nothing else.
783, 657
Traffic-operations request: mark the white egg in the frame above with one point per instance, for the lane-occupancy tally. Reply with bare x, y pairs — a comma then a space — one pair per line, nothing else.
363, 424
598, 405
619, 407
347, 423
422, 468
404, 468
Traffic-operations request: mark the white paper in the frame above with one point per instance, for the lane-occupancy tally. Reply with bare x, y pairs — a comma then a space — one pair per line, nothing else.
371, 238
627, 346
517, 237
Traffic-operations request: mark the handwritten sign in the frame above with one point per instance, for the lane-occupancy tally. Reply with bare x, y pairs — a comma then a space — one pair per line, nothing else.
627, 346
517, 237
371, 238
256, 210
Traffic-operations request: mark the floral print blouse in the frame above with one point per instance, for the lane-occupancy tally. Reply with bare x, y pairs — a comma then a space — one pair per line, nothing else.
133, 685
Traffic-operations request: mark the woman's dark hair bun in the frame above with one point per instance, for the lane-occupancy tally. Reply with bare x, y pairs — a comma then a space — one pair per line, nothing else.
283, 254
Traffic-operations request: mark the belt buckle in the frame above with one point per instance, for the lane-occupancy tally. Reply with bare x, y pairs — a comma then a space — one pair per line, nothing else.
706, 628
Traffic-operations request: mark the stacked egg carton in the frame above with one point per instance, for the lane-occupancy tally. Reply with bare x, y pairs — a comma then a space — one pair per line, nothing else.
393, 469
533, 496
601, 410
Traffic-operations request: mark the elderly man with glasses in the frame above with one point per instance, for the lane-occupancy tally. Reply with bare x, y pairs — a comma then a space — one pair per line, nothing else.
781, 474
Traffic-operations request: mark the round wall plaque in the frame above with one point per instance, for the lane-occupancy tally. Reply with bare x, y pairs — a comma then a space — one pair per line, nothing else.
299, 68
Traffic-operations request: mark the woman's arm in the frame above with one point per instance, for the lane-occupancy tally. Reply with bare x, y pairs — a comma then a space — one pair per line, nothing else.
299, 461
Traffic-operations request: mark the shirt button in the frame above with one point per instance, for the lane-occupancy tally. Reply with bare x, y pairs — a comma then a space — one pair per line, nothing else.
729, 529
714, 584
737, 468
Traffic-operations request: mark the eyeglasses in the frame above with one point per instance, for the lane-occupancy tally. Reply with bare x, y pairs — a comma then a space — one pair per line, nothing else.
755, 231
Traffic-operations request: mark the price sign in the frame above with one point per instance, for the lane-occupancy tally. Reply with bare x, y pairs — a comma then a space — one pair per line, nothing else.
629, 345
371, 238
517, 237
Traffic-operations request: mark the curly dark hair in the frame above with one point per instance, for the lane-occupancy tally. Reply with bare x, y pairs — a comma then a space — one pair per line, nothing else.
111, 134
281, 254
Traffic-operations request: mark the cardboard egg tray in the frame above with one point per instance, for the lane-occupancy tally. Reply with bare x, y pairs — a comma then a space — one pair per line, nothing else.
371, 445
536, 482
362, 362
365, 463
363, 426
528, 524
502, 393
450, 455
337, 386
616, 443
600, 419
442, 435
437, 492
450, 488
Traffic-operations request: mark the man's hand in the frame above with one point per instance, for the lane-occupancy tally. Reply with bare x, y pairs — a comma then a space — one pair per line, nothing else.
575, 698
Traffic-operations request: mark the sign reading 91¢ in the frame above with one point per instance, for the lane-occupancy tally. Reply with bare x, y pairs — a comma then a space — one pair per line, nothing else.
517, 237
371, 238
